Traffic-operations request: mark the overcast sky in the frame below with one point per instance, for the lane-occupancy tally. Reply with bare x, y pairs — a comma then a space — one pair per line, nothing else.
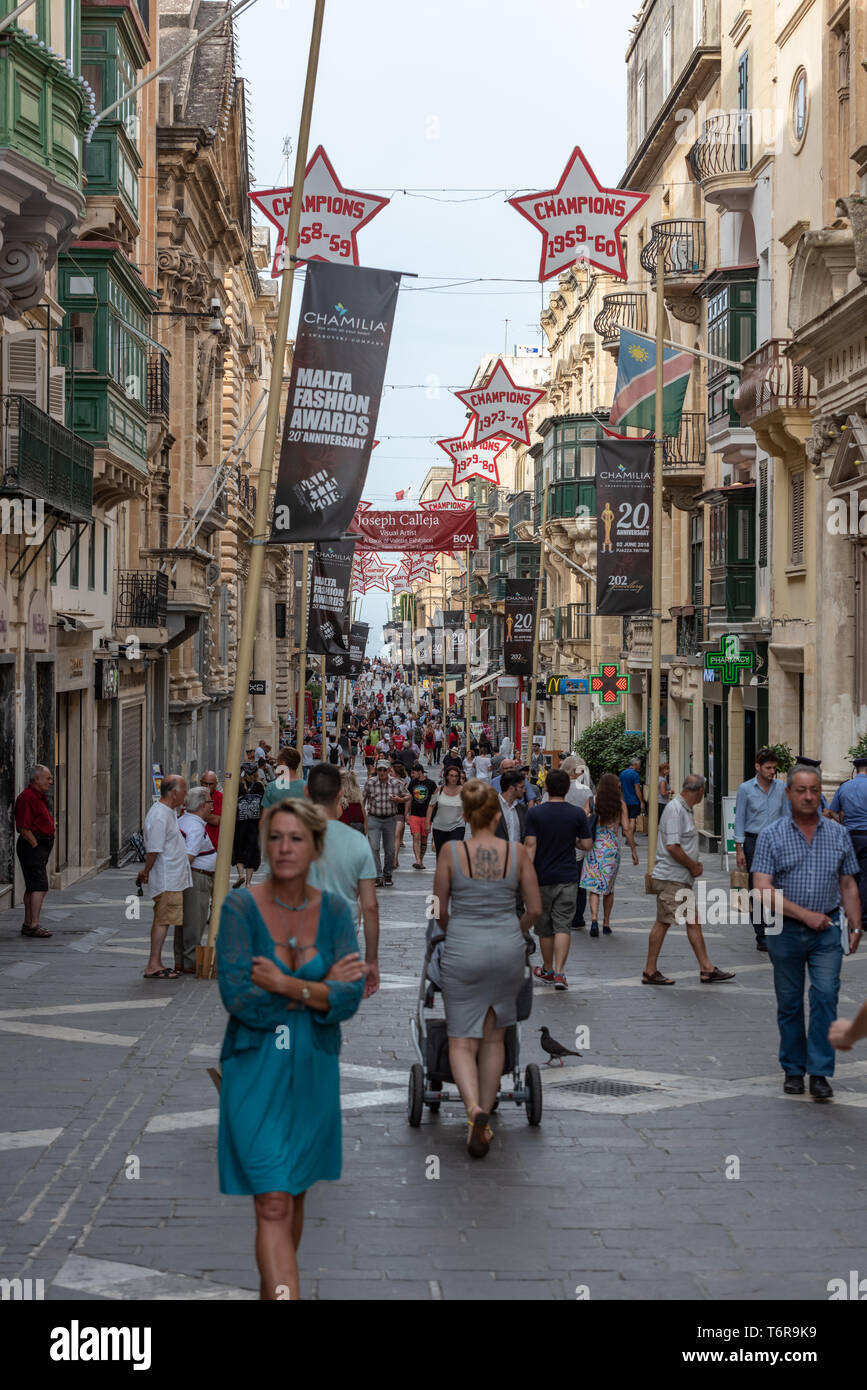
480, 98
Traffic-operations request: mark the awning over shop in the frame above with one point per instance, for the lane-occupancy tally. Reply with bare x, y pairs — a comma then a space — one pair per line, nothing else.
483, 680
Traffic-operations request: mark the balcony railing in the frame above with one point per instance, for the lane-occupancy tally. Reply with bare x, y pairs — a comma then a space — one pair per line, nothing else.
520, 509
621, 310
46, 462
683, 247
158, 384
142, 599
770, 382
480, 561
691, 632
572, 623
684, 452
497, 587
725, 146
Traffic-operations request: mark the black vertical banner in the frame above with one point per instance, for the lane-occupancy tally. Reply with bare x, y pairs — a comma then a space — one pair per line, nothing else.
624, 510
338, 368
454, 625
357, 647
519, 626
328, 609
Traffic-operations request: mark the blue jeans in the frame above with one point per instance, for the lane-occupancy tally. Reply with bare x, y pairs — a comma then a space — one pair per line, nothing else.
821, 952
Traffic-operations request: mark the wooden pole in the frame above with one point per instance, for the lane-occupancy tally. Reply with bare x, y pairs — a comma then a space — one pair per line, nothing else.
467, 653
444, 705
205, 954
324, 702
656, 648
534, 674
302, 652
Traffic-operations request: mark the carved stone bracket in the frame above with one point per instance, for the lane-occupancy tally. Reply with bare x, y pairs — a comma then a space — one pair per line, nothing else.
855, 209
186, 279
685, 308
684, 497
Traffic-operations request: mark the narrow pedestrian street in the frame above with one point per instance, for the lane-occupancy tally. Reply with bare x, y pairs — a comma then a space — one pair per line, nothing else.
668, 1164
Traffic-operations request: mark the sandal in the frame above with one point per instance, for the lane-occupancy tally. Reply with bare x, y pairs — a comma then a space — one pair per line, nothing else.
164, 974
480, 1135
715, 976
657, 978
35, 931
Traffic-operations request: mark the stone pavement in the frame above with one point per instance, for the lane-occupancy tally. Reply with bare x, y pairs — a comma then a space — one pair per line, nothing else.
668, 1163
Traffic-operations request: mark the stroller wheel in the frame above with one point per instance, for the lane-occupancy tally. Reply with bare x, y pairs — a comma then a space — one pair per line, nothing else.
415, 1097
533, 1103
433, 1105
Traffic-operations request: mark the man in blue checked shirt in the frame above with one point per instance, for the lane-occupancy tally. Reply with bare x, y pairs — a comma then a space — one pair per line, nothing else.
760, 802
807, 862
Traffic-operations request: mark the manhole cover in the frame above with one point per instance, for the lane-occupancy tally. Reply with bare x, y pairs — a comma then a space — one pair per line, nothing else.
608, 1088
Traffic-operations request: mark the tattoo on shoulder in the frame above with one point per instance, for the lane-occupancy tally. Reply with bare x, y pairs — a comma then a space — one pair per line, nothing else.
487, 865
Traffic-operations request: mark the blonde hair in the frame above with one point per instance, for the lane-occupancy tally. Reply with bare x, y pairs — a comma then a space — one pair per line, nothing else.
313, 818
349, 786
480, 802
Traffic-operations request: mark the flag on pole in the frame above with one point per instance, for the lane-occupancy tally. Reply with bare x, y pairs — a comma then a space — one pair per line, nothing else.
404, 495
635, 394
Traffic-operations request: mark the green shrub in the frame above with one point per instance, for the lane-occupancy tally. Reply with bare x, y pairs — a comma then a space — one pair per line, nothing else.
606, 747
785, 756
859, 749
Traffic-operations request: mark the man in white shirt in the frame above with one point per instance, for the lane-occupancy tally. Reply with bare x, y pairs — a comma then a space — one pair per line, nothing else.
260, 752
673, 873
203, 861
166, 871
308, 759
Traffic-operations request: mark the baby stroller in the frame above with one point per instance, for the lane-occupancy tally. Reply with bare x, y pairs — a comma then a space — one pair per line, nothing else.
430, 1041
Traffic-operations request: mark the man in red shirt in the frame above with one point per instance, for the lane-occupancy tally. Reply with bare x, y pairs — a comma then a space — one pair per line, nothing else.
397, 742
212, 819
35, 825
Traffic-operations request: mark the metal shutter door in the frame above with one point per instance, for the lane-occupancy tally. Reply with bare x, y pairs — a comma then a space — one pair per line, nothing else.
130, 771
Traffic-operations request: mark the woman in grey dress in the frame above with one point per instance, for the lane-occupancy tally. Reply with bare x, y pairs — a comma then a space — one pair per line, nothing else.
476, 887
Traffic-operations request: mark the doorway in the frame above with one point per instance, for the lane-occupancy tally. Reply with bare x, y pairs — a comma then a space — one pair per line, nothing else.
68, 776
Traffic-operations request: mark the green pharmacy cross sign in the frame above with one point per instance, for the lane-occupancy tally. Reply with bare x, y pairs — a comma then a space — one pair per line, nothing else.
609, 685
729, 661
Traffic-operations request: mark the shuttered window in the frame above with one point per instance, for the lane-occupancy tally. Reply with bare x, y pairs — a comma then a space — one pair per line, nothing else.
130, 771
763, 515
796, 530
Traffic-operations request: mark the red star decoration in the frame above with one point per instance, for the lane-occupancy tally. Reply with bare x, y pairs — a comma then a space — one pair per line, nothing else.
447, 501
573, 224
500, 406
339, 213
472, 460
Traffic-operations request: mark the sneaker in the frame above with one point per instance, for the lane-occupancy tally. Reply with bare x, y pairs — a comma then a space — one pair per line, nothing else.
606, 930
380, 882
560, 982
547, 976
389, 883
594, 928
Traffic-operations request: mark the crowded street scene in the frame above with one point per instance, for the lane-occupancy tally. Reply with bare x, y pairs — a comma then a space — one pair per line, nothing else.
433, 851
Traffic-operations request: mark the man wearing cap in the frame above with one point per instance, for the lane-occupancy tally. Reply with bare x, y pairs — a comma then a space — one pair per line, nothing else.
760, 802
849, 807
806, 861
382, 795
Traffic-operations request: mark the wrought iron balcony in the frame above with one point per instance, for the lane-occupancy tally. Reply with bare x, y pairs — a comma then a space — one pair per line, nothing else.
158, 384
725, 146
520, 509
691, 629
572, 623
142, 599
682, 241
43, 461
480, 561
684, 452
772, 383
620, 310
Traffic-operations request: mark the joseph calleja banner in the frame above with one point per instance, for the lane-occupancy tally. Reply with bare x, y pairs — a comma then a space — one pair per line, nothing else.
415, 530
624, 505
338, 369
328, 611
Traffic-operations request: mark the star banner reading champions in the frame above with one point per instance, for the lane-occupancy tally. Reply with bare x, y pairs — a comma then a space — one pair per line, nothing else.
338, 368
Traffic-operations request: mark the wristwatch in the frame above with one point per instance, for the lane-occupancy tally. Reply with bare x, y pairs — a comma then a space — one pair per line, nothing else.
305, 992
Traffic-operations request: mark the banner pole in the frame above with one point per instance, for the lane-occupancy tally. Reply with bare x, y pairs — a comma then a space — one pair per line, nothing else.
205, 954
534, 674
467, 655
324, 704
302, 653
444, 706
656, 649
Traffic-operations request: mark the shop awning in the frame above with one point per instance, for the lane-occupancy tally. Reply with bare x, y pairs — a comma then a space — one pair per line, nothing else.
79, 622
483, 680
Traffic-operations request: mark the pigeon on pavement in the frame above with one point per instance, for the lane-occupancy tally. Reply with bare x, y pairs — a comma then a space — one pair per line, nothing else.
555, 1048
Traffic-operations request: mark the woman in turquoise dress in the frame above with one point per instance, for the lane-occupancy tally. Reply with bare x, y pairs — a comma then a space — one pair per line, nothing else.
289, 973
603, 860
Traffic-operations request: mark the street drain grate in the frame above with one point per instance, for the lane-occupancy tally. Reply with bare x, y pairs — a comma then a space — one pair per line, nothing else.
609, 1088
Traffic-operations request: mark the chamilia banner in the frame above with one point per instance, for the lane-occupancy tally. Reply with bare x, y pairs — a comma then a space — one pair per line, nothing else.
624, 509
338, 368
328, 617
519, 625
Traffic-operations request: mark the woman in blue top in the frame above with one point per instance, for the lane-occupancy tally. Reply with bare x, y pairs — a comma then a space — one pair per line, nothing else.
289, 972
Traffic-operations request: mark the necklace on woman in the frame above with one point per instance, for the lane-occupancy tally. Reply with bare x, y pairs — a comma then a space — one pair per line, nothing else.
289, 907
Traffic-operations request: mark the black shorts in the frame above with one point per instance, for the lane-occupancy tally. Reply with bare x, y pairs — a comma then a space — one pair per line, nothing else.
34, 861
